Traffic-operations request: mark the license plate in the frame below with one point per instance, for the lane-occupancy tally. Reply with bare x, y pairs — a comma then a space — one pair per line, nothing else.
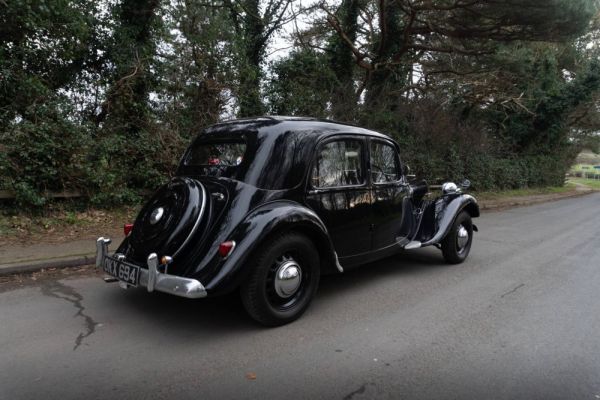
122, 270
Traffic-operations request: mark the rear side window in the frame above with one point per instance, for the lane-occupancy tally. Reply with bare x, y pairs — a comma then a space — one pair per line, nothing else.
339, 163
384, 163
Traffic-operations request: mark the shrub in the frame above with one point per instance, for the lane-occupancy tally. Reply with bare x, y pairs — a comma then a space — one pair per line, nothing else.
43, 152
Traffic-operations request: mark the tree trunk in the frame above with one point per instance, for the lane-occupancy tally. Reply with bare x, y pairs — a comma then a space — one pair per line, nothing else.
343, 99
385, 83
126, 104
253, 42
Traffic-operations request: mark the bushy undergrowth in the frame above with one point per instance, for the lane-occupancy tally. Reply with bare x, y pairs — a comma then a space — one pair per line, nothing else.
57, 156
49, 154
439, 146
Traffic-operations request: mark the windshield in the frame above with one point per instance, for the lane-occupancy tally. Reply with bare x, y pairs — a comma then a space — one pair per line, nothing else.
221, 159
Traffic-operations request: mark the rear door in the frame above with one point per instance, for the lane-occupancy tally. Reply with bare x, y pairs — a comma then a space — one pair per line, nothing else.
338, 192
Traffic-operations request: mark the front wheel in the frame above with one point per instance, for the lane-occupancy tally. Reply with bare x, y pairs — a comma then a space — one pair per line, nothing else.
457, 243
283, 281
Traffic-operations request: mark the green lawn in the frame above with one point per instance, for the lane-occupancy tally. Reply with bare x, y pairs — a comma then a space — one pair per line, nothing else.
593, 183
524, 192
585, 168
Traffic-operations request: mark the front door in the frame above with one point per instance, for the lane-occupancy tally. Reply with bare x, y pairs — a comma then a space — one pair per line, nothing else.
389, 194
339, 193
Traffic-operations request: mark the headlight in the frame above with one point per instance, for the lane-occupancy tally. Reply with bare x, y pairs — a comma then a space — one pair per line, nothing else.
449, 188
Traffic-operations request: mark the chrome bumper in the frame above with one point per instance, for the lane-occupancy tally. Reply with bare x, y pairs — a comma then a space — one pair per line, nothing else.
153, 279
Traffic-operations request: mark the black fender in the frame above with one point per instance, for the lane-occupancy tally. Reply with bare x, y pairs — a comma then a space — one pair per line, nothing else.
265, 222
453, 208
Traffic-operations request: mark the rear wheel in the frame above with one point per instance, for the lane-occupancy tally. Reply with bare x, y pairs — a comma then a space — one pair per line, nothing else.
283, 281
457, 243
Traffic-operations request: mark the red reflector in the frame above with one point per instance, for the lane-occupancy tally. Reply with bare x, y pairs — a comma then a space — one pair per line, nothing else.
127, 228
225, 248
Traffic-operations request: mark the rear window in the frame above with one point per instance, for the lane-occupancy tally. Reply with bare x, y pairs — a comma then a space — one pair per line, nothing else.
216, 158
267, 160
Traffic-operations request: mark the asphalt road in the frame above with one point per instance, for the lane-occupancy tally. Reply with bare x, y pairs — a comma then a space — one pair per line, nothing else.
519, 320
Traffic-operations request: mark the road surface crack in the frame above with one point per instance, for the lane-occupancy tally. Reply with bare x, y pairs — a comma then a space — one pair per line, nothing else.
360, 390
61, 291
513, 290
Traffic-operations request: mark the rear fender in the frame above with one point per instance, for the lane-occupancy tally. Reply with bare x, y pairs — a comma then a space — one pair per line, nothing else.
264, 223
453, 208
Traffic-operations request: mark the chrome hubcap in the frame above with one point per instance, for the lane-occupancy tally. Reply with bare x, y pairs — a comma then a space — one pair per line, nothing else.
287, 279
462, 238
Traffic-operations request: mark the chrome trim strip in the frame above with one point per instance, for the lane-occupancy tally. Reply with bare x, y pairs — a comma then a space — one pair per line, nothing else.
389, 246
337, 263
195, 228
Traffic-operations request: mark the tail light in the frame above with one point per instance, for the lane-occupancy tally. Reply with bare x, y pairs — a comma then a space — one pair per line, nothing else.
226, 248
127, 228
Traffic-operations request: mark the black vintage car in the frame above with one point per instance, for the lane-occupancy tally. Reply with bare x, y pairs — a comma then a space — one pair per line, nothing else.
267, 205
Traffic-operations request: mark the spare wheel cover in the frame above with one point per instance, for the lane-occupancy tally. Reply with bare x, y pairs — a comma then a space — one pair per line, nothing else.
170, 218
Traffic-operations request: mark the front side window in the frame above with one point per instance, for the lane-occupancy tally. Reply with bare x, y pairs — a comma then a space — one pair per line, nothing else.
384, 163
339, 163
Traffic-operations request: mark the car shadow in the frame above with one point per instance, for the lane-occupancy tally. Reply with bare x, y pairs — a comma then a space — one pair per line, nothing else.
226, 315
412, 263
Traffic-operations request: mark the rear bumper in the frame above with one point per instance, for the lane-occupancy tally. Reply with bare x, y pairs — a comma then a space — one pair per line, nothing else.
152, 279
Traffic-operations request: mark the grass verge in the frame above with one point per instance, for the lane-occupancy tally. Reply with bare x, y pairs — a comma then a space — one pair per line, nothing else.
497, 195
62, 224
592, 183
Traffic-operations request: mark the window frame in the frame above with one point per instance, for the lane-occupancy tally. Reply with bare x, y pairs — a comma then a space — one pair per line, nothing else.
396, 156
363, 159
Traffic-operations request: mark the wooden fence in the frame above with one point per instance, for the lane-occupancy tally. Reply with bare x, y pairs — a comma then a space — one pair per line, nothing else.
9, 195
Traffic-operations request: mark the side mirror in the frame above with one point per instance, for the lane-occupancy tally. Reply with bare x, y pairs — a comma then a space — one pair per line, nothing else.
405, 170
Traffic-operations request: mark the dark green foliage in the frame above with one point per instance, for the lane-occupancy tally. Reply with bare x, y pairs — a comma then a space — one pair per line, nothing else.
43, 46
254, 24
194, 76
537, 120
126, 144
302, 84
102, 97
42, 152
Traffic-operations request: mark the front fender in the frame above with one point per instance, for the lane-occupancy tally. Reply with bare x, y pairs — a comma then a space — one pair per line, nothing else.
453, 208
270, 219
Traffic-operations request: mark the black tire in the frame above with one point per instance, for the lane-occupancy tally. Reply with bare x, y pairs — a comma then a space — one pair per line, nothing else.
258, 293
453, 252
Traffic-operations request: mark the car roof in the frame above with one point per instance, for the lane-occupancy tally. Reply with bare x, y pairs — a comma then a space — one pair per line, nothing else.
281, 125
278, 149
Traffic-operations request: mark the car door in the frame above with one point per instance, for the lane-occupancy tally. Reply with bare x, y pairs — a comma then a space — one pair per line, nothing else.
338, 192
389, 193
